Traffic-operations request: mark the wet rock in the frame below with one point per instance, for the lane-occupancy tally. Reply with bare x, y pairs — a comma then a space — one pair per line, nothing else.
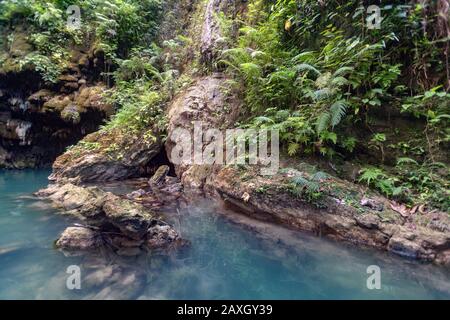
368, 221
160, 176
125, 242
443, 258
40, 97
100, 276
79, 238
127, 287
136, 194
212, 41
161, 235
46, 123
405, 247
130, 218
117, 283
85, 202
60, 114
129, 252
123, 224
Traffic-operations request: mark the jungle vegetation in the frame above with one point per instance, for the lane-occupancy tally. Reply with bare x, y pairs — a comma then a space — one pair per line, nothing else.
336, 89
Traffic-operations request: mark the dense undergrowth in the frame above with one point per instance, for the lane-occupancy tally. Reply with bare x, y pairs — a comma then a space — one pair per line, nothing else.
313, 70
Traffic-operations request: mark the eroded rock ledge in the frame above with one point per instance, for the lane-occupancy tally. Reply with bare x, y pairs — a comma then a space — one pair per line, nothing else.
107, 156
344, 214
108, 220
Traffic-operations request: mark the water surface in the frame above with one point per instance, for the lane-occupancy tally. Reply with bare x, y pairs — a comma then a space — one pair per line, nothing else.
226, 260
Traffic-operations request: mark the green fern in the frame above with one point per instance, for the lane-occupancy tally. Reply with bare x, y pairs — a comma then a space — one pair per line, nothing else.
306, 67
322, 122
293, 148
343, 71
305, 184
337, 110
320, 176
370, 175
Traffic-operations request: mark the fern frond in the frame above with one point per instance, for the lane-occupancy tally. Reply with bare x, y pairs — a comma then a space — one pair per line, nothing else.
343, 71
250, 69
300, 181
404, 160
322, 122
339, 81
306, 67
303, 57
321, 94
262, 119
293, 148
319, 176
338, 111
370, 175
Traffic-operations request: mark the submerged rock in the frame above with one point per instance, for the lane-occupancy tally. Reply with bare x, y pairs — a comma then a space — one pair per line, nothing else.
124, 225
79, 238
116, 282
160, 235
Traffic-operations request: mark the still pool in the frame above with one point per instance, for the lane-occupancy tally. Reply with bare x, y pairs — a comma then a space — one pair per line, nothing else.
226, 260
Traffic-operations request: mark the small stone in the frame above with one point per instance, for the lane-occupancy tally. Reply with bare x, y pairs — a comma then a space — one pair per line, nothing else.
160, 175
136, 194
372, 204
161, 235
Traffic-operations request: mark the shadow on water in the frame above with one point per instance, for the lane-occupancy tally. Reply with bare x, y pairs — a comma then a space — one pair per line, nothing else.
230, 257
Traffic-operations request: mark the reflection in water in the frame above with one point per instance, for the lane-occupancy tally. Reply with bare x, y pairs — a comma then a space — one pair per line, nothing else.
226, 259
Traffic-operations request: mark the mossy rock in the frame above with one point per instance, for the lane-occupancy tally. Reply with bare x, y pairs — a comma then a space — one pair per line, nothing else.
20, 46
71, 114
57, 104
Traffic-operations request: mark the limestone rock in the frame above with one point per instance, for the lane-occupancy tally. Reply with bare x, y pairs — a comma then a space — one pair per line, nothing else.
114, 155
160, 175
378, 226
125, 225
205, 102
79, 238
161, 235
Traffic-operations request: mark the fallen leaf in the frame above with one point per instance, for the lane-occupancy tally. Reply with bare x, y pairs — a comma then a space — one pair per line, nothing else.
400, 208
422, 209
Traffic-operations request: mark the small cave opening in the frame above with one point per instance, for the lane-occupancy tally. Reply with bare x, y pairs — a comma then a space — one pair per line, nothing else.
36, 140
32, 136
160, 159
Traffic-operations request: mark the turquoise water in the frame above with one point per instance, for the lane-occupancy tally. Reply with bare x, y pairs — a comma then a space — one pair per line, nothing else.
226, 260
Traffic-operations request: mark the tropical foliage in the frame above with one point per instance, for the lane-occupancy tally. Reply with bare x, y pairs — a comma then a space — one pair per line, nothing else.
316, 72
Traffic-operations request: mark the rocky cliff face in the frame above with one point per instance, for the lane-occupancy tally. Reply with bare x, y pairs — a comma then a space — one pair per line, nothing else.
38, 120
